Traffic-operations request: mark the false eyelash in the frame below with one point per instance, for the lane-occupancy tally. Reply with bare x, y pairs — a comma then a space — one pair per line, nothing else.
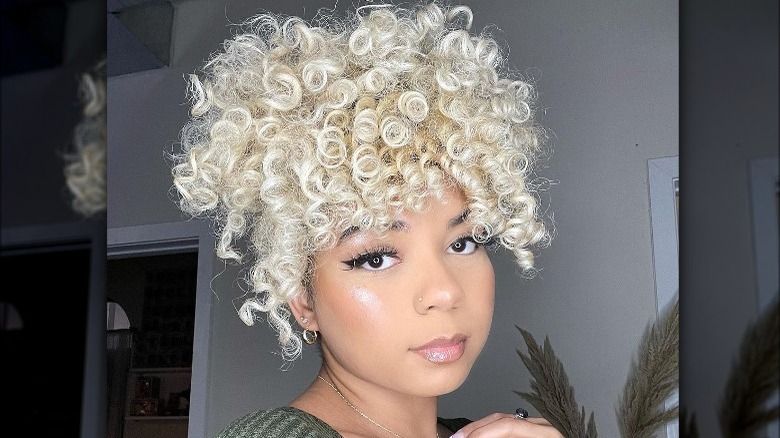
491, 244
466, 236
363, 257
470, 237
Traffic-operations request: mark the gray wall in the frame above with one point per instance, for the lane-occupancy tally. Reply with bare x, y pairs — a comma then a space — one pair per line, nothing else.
41, 106
607, 76
729, 111
46, 46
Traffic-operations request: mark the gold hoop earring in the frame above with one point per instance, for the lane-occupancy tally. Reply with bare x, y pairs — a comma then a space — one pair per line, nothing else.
309, 336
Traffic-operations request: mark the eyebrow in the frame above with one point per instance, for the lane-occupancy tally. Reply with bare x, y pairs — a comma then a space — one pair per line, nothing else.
402, 226
454, 222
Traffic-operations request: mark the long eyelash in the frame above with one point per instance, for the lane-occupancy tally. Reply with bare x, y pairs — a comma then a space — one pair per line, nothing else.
490, 244
468, 237
382, 251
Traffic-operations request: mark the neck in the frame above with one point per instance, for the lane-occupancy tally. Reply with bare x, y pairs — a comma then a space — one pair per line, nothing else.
409, 416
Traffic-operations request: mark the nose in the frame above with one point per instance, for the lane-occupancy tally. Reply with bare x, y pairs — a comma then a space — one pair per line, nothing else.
440, 288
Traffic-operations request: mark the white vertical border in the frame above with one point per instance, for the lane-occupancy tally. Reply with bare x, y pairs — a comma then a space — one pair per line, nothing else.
663, 174
763, 209
763, 199
663, 179
171, 238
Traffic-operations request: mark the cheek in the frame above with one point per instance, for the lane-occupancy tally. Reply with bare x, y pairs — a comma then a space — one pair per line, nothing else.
356, 308
344, 303
365, 302
484, 286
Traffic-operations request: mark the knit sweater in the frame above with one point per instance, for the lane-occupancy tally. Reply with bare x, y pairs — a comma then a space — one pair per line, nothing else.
289, 422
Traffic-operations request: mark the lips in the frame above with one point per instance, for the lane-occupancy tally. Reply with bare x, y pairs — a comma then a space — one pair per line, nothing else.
443, 350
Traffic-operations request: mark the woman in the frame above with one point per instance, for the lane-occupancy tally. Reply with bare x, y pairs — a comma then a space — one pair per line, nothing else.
369, 160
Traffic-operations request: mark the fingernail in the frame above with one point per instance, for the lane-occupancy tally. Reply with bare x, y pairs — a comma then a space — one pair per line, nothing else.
457, 434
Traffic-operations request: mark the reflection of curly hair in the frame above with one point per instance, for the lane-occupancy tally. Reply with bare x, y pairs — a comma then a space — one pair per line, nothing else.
85, 171
301, 132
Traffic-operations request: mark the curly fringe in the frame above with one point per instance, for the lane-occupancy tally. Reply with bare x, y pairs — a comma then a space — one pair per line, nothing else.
85, 169
300, 130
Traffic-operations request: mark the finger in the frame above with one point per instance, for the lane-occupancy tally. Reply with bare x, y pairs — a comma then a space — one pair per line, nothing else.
508, 425
482, 422
497, 416
522, 414
511, 427
539, 420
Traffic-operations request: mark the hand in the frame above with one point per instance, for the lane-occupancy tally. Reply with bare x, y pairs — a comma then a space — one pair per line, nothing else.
508, 425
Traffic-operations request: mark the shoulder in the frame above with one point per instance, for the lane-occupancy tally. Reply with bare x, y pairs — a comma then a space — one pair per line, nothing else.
453, 424
278, 422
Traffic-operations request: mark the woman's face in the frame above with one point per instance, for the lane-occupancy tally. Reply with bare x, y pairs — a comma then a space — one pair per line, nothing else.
409, 310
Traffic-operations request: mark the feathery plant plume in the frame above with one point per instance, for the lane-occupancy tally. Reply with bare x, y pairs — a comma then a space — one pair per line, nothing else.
753, 378
653, 378
552, 394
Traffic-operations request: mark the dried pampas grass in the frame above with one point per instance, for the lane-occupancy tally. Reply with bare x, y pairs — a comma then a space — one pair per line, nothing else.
552, 394
753, 378
654, 376
652, 379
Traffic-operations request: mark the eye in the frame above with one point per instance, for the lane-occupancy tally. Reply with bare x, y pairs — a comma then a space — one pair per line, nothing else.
464, 245
373, 260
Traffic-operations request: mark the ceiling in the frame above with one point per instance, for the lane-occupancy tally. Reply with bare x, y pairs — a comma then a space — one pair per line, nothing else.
46, 34
138, 35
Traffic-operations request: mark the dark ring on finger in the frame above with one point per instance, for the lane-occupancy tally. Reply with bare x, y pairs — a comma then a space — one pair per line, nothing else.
521, 414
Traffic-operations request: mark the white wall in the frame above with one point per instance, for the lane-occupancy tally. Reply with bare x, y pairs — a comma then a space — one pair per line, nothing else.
607, 76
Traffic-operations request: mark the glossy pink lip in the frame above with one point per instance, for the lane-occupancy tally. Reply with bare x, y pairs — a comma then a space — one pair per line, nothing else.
443, 350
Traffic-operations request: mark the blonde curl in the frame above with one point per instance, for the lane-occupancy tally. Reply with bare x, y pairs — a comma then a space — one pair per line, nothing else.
85, 166
299, 131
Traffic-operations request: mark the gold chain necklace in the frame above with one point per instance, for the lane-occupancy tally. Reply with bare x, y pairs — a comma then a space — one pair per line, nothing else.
361, 412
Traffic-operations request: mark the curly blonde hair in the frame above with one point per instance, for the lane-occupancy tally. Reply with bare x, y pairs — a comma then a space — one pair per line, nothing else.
300, 131
85, 167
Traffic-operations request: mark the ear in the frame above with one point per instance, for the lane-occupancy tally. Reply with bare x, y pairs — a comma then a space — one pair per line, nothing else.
302, 310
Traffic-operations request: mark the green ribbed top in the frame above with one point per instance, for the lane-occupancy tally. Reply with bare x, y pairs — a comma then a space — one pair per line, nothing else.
289, 422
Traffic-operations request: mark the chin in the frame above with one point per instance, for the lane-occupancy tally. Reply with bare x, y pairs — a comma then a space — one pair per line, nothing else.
445, 379
454, 386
